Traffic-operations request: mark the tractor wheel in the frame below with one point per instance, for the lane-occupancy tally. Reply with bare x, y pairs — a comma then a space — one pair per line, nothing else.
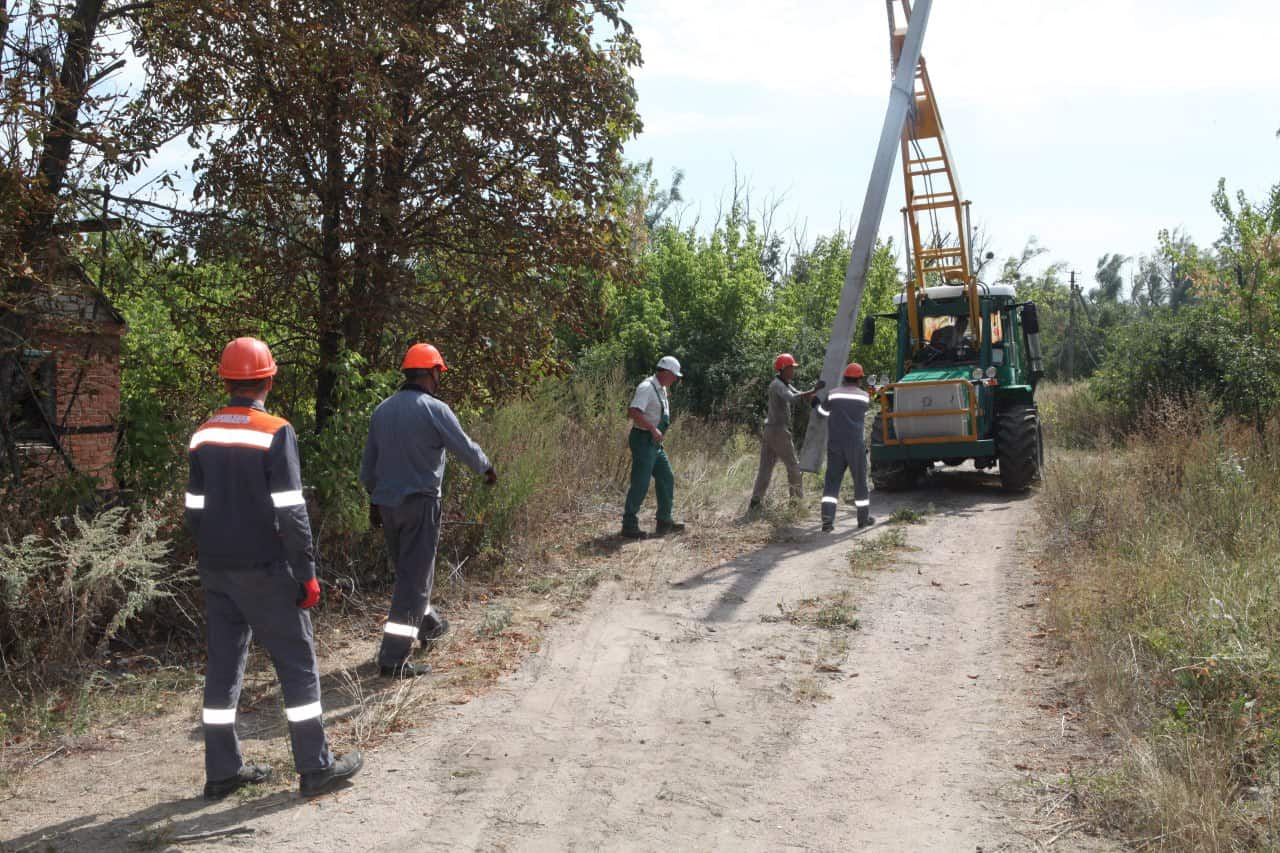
892, 476
1019, 447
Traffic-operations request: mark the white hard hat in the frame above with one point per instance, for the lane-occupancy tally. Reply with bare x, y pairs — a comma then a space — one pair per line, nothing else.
668, 362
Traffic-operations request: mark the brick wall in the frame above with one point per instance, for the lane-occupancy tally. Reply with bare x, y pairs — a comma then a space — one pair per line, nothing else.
87, 395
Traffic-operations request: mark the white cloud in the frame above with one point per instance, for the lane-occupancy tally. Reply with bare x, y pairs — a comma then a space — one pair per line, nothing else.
1007, 49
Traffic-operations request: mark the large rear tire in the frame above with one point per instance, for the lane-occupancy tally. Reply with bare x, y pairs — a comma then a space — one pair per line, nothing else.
1019, 447
891, 476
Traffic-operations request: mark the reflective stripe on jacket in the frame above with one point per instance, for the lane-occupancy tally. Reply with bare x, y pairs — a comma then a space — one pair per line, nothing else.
846, 408
244, 492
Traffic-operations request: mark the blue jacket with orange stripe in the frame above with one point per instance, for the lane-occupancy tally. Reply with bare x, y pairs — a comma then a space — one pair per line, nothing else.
245, 507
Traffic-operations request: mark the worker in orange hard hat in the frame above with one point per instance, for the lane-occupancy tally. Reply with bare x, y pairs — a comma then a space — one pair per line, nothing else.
846, 410
403, 468
775, 439
245, 509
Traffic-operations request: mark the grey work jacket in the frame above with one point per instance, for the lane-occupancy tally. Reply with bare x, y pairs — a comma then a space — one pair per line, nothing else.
404, 453
781, 396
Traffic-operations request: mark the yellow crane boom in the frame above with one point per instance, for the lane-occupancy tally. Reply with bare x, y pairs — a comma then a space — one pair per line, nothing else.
936, 217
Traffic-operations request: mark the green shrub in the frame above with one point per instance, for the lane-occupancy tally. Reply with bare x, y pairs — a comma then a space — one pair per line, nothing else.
1198, 350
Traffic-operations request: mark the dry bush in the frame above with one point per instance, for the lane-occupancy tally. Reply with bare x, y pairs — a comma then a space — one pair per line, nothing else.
64, 596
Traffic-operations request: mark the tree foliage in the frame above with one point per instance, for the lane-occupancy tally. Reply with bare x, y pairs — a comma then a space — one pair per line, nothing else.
400, 169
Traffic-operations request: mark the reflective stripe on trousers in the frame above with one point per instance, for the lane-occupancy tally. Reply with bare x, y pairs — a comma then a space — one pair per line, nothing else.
412, 532
262, 603
840, 459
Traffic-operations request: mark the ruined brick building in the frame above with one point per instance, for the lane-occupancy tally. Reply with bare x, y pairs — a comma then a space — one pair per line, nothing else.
69, 391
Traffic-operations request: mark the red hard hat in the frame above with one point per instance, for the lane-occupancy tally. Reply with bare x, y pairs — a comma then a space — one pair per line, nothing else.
423, 357
784, 360
853, 371
246, 358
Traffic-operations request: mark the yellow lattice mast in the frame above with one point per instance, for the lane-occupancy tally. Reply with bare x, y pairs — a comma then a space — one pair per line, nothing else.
936, 217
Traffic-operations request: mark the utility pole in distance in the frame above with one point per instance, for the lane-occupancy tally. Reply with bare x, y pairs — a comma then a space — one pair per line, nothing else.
1071, 330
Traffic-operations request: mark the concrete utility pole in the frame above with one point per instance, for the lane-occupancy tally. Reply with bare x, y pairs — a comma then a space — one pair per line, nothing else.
1071, 330
864, 239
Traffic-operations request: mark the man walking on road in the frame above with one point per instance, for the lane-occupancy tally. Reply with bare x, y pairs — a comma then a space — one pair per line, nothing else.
650, 414
846, 407
402, 469
775, 440
245, 510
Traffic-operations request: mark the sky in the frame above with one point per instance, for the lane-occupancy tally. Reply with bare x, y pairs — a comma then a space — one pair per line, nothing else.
1088, 124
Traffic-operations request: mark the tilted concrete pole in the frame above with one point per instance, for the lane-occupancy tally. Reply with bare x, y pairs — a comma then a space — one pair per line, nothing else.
864, 239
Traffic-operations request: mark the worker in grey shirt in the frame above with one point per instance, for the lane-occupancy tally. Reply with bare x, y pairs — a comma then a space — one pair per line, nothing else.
403, 468
775, 440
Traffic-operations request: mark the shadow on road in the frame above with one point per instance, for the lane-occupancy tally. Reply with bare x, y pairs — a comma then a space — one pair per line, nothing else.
951, 492
158, 827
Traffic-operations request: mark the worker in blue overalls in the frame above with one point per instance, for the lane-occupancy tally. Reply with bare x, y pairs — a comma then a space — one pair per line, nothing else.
845, 409
246, 511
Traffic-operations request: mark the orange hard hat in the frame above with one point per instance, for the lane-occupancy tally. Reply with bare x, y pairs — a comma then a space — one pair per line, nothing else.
246, 358
853, 371
784, 360
423, 357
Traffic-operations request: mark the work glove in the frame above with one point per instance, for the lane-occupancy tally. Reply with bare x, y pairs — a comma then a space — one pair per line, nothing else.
375, 517
309, 594
813, 401
490, 477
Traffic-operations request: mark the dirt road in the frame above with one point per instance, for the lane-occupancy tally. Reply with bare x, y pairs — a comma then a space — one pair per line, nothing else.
730, 707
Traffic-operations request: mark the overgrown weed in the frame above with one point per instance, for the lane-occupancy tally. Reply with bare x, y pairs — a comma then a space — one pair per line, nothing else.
1167, 558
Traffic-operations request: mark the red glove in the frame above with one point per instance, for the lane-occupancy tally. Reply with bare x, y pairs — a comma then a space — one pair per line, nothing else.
309, 594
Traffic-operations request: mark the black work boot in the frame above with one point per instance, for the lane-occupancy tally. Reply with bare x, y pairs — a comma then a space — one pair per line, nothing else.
249, 774
865, 520
433, 627
665, 527
633, 533
319, 781
405, 669
828, 526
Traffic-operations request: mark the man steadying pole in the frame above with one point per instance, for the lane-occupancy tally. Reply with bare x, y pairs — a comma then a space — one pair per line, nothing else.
775, 440
846, 412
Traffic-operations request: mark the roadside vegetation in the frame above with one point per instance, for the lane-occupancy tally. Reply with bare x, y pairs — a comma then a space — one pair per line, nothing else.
1166, 556
553, 274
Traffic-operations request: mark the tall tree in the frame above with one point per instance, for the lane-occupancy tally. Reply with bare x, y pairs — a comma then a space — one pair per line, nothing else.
1110, 282
399, 168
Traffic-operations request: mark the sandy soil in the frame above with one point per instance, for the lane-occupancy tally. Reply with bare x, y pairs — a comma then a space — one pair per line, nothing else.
706, 709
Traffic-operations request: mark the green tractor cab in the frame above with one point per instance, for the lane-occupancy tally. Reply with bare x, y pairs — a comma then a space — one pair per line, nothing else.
960, 394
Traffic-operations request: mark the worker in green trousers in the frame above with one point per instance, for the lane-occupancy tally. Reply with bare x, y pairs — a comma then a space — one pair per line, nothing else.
650, 414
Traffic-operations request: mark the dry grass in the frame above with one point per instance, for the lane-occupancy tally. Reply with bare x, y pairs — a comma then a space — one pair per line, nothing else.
1167, 560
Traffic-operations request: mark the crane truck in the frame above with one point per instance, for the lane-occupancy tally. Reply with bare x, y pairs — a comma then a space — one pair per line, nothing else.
968, 355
